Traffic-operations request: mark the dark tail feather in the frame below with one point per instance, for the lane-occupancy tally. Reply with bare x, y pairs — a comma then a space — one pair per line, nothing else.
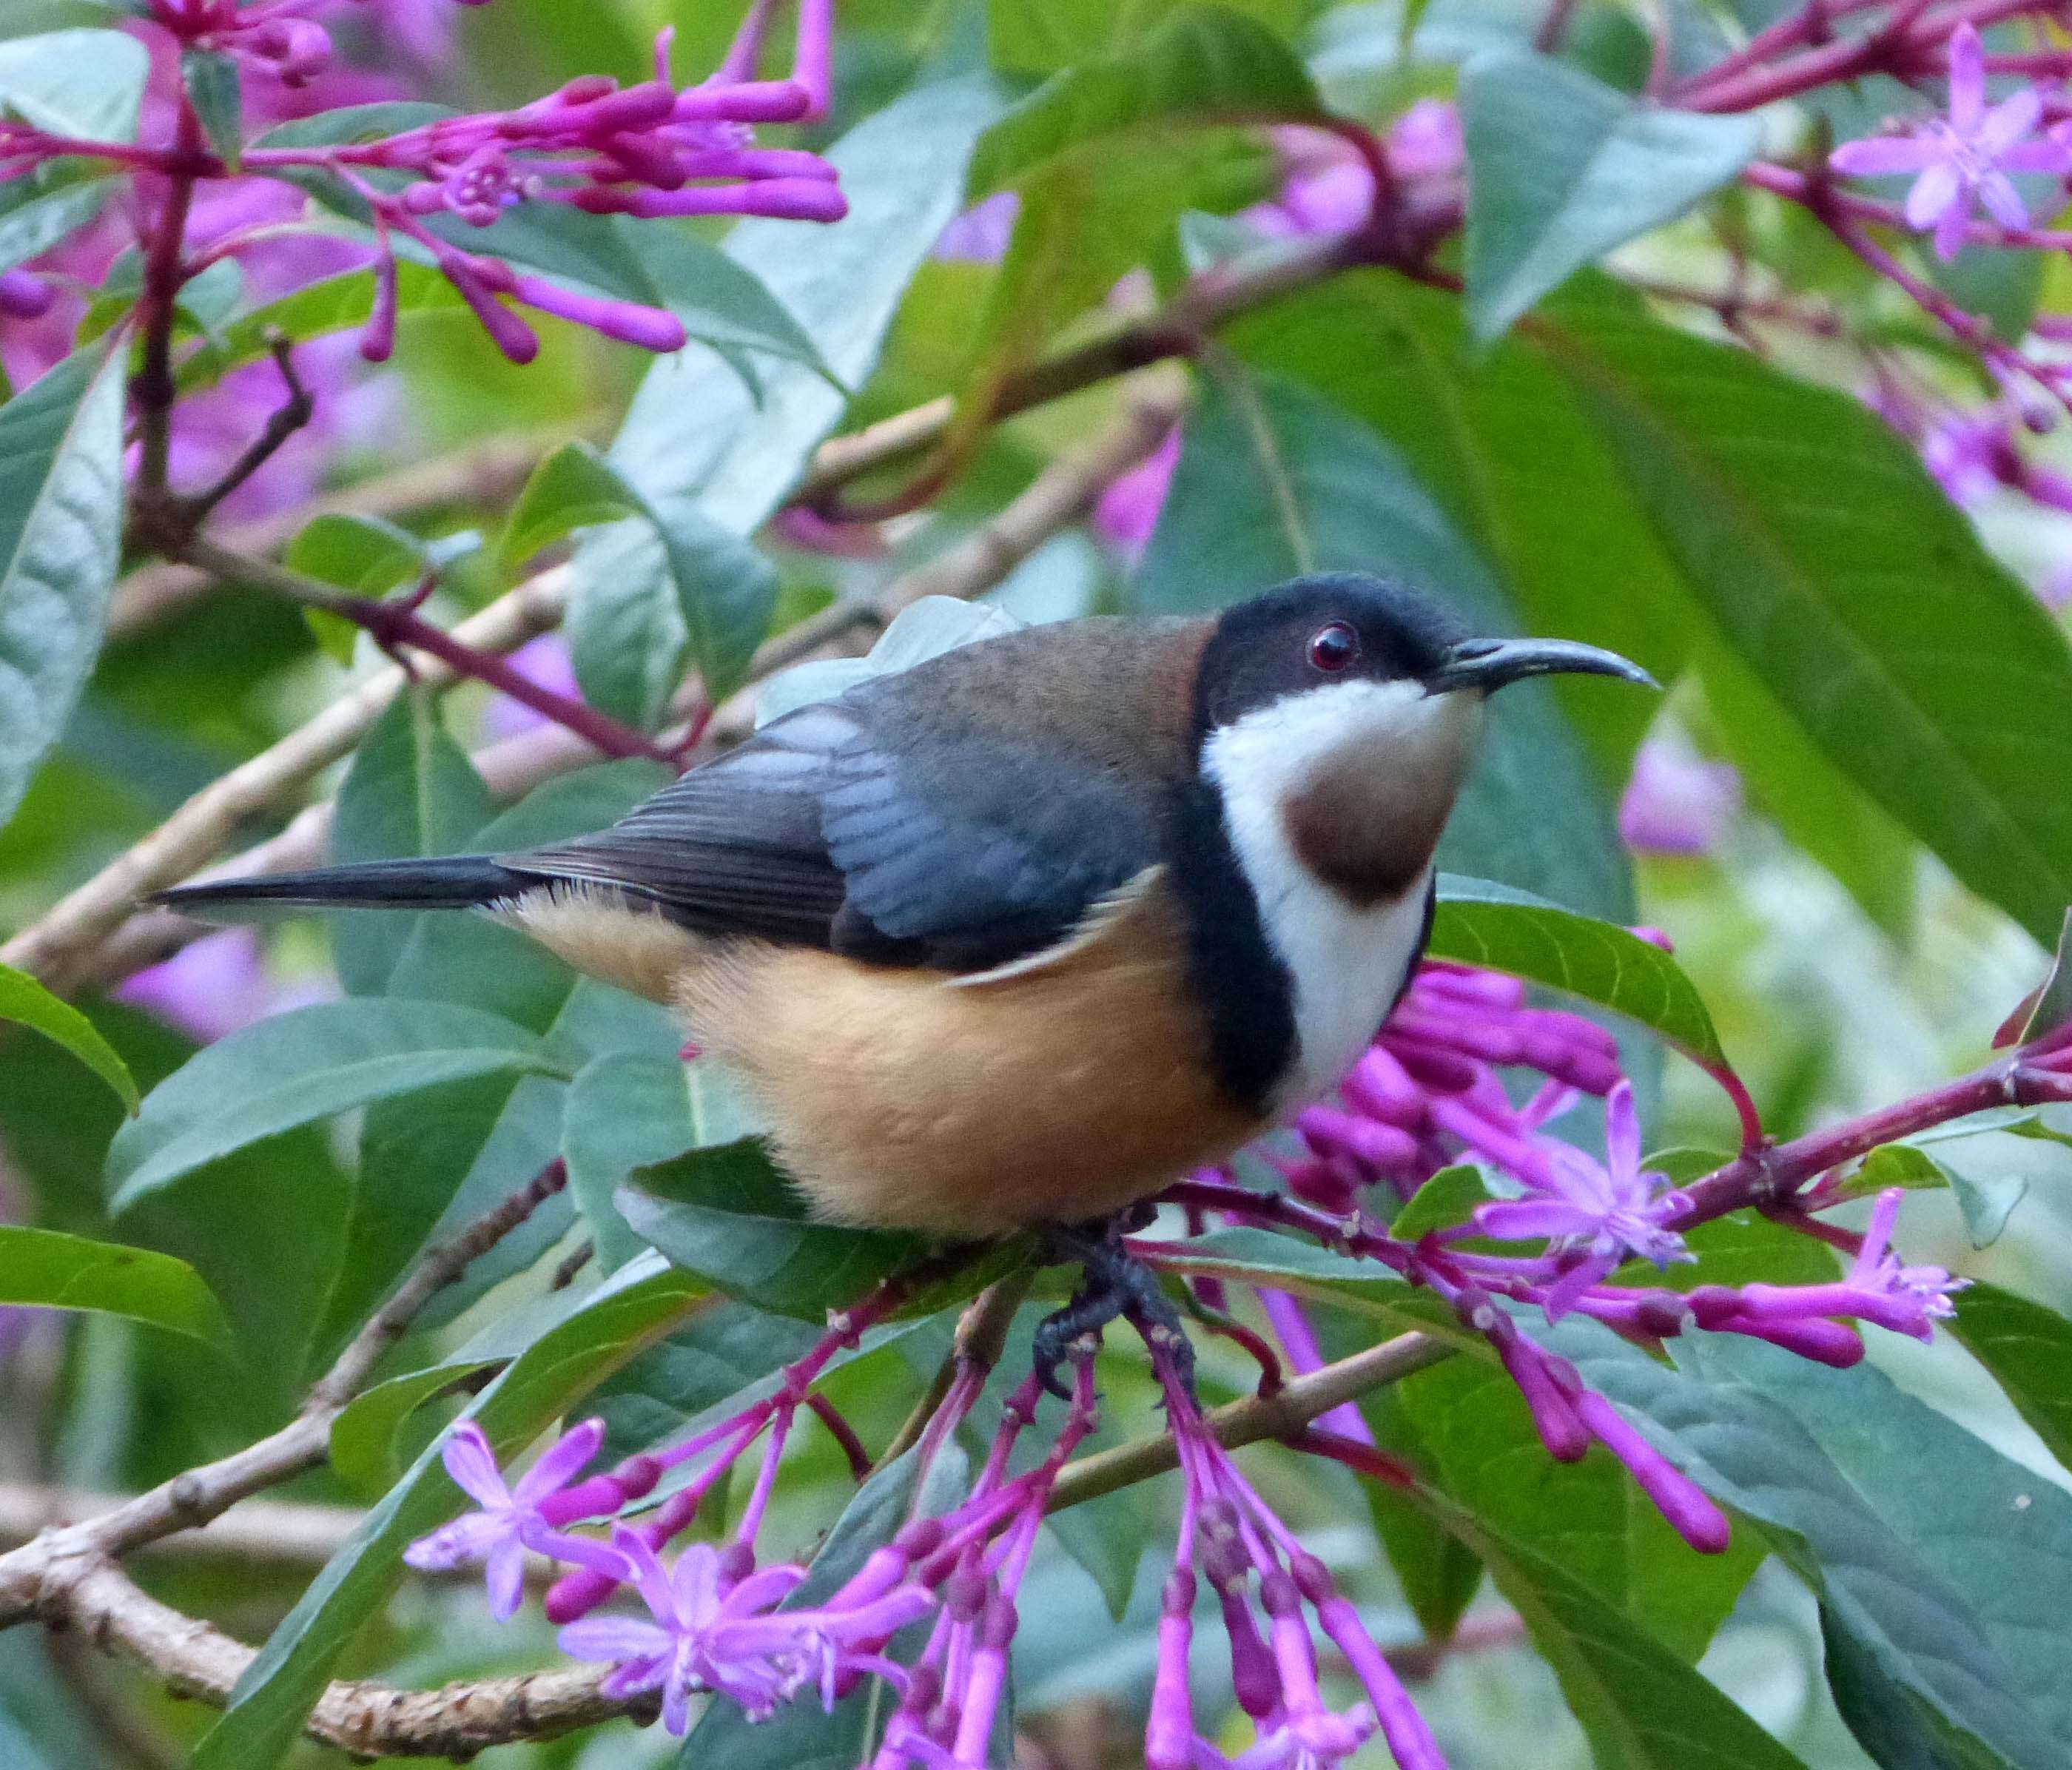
461, 882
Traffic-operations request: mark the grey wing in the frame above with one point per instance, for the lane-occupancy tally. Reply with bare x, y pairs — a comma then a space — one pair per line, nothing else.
847, 826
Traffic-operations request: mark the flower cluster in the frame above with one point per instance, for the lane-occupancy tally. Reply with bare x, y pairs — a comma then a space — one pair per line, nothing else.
651, 150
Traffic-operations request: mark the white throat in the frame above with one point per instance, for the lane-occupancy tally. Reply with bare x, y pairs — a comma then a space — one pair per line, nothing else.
1346, 961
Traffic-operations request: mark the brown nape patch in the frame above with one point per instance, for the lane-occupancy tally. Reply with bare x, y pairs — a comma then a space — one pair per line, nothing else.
1368, 820
601, 932
1059, 1093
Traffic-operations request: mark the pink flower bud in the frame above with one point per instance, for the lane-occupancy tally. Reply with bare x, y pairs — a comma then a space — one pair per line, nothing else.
652, 328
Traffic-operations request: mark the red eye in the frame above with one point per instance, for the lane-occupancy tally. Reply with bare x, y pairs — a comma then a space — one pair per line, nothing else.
1333, 648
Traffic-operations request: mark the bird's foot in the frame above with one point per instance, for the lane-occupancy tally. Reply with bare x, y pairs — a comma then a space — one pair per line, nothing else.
1113, 1282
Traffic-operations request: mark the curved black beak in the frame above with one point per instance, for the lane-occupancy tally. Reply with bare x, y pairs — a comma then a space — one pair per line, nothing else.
1488, 664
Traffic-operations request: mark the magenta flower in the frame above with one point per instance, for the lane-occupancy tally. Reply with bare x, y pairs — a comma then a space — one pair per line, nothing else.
1605, 1211
1964, 159
1877, 1288
509, 1520
715, 1627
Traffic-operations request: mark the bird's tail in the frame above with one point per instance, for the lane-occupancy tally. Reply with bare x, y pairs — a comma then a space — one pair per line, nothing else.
461, 882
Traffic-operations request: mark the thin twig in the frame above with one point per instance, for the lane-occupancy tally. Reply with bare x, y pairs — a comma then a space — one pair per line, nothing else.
489, 474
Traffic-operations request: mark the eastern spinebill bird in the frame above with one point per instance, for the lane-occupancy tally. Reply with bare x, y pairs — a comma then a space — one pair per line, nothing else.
1015, 938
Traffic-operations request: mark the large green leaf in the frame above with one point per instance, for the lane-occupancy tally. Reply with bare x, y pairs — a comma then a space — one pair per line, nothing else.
301, 1066
1849, 585
2028, 1349
411, 791
1203, 65
1273, 481
696, 437
61, 534
1643, 1707
1479, 923
26, 1002
1561, 169
58, 1271
628, 1313
1950, 1587
83, 84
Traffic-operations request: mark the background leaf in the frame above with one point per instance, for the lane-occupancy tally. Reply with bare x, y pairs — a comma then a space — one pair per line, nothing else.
1561, 169
58, 1271
26, 1002
60, 529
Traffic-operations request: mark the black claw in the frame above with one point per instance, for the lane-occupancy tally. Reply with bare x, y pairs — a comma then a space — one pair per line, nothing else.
1113, 1282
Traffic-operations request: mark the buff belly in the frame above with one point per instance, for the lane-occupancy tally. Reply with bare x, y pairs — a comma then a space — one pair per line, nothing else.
1056, 1090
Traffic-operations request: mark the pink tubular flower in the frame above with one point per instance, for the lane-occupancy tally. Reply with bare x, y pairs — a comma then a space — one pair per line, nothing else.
1605, 1212
510, 1520
1963, 158
1877, 1288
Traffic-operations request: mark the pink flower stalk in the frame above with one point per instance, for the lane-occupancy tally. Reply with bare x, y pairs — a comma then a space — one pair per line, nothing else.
1603, 1213
24, 295
1963, 158
510, 1520
1254, 1563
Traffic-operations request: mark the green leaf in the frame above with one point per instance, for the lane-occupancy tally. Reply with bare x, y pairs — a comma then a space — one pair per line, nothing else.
572, 488
26, 1002
1561, 169
1871, 612
1205, 65
2049, 1007
1984, 1199
1643, 1707
2029, 1350
55, 1271
210, 76
429, 1163
1274, 481
626, 1314
1951, 1587
1477, 1436
296, 1068
1446, 1201
626, 1112
411, 791
1478, 923
730, 1215
365, 554
60, 535
82, 84
1284, 1263
42, 216
366, 1437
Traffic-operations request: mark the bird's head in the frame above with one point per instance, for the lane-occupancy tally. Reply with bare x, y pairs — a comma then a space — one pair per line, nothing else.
1345, 708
